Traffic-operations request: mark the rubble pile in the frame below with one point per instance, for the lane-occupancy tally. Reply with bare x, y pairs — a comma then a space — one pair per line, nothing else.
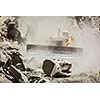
14, 69
53, 71
84, 78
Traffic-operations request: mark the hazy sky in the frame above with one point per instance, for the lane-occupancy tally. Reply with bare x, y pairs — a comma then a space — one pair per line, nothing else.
41, 28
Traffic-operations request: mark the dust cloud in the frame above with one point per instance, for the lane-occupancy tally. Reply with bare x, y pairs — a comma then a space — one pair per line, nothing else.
41, 28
